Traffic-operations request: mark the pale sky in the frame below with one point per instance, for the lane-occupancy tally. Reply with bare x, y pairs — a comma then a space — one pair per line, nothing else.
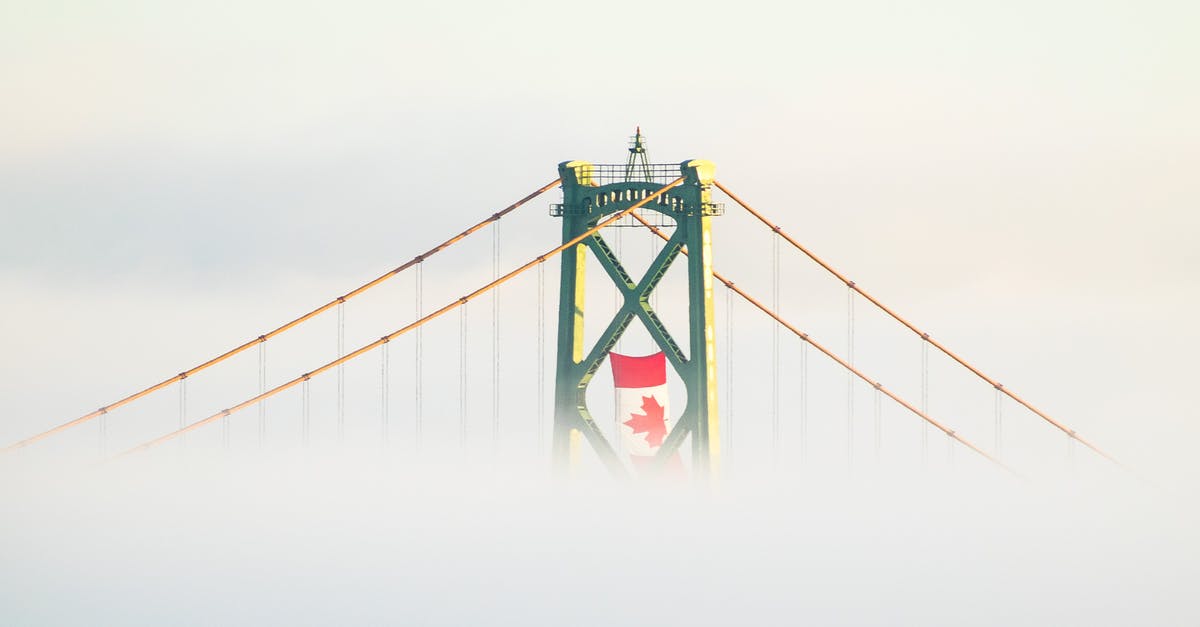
1019, 178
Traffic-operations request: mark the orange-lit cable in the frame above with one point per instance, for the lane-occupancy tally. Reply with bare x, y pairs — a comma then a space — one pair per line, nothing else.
842, 362
925, 336
263, 338
387, 338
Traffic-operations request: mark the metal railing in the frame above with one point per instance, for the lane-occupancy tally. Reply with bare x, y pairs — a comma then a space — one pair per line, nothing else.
608, 173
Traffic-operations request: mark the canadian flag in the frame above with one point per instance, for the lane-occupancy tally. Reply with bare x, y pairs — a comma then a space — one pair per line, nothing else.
641, 402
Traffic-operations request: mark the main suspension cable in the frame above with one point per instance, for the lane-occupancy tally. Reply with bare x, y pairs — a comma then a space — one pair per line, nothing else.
319, 310
842, 362
415, 324
1070, 432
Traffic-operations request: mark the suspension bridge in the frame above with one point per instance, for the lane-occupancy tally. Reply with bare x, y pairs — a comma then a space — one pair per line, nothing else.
673, 209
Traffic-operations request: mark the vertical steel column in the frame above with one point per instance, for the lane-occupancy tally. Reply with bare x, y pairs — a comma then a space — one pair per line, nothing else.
702, 352
567, 395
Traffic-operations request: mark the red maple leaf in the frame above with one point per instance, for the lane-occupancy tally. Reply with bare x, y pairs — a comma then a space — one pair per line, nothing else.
651, 423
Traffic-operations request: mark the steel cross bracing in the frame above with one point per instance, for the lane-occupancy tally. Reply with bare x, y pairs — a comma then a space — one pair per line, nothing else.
585, 202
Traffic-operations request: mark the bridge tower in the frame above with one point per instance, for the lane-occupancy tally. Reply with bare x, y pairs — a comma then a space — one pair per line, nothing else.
590, 193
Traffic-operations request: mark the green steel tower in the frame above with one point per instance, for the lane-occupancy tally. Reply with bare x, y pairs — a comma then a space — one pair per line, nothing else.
590, 193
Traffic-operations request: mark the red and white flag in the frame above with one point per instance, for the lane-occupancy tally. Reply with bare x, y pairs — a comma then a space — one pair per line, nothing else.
641, 402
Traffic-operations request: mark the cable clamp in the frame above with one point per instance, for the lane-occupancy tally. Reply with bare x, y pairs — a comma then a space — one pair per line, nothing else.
496, 217
777, 228
385, 339
463, 300
341, 299
1071, 432
878, 385
305, 376
182, 376
541, 258
419, 259
925, 336
951, 434
998, 386
262, 338
103, 410
225, 412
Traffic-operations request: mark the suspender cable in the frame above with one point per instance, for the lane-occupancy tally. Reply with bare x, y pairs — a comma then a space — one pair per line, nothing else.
775, 353
977, 372
385, 383
182, 407
341, 373
850, 377
842, 362
728, 375
401, 331
999, 402
858, 373
462, 377
262, 387
304, 416
495, 339
418, 357
878, 425
541, 354
319, 310
103, 423
804, 403
924, 400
